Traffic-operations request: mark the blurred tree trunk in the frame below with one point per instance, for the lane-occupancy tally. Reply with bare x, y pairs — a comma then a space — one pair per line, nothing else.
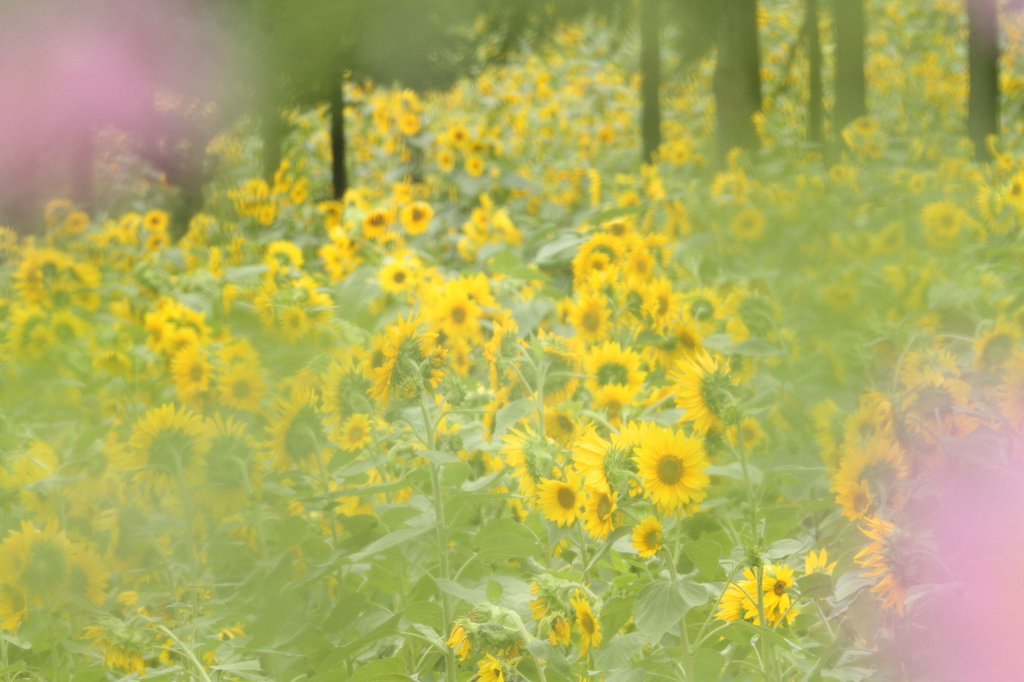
737, 76
650, 70
850, 89
815, 105
273, 140
339, 174
983, 70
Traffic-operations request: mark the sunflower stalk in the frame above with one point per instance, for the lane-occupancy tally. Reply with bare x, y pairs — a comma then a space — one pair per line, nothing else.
684, 635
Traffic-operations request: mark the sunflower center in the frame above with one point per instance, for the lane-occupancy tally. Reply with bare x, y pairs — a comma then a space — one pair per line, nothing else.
196, 372
662, 305
604, 507
398, 277
591, 321
171, 448
417, 215
46, 567
612, 373
355, 434
670, 469
653, 538
566, 498
458, 314
780, 588
565, 424
586, 623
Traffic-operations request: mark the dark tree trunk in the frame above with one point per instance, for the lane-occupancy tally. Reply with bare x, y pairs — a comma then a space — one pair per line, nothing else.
983, 70
737, 76
850, 89
273, 139
339, 174
650, 70
815, 106
80, 169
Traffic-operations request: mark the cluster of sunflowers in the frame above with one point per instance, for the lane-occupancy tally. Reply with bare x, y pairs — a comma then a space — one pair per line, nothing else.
539, 415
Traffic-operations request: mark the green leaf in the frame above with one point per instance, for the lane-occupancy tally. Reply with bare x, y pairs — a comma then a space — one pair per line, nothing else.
494, 590
783, 548
658, 607
551, 656
510, 415
456, 473
619, 651
425, 613
705, 554
707, 665
755, 347
437, 456
615, 613
463, 593
815, 586
390, 540
735, 470
693, 593
382, 669
508, 546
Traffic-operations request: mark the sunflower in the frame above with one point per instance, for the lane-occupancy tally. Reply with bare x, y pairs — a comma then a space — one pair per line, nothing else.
242, 388
647, 538
167, 447
396, 277
121, 644
671, 466
612, 399
817, 562
13, 607
993, 348
375, 222
455, 314
156, 220
778, 602
598, 513
703, 388
490, 669
34, 565
873, 473
230, 472
659, 303
87, 575
345, 385
589, 317
605, 466
748, 224
889, 556
589, 627
611, 365
560, 427
356, 433
296, 434
409, 359
560, 631
474, 165
942, 221
459, 641
531, 456
416, 217
828, 430
560, 501
855, 499
191, 370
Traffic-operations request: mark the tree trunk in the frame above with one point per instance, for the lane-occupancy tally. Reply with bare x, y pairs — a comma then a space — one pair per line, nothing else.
273, 139
815, 106
650, 70
850, 89
983, 70
737, 76
339, 175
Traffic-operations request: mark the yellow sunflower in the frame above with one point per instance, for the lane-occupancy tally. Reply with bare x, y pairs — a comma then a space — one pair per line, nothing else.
416, 217
167, 447
490, 669
356, 433
589, 317
297, 435
455, 314
34, 566
588, 626
531, 456
993, 348
888, 556
396, 277
611, 365
702, 387
191, 370
598, 513
231, 473
671, 466
242, 387
647, 538
560, 501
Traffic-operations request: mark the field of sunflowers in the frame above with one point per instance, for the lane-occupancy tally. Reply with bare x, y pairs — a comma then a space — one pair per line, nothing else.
521, 409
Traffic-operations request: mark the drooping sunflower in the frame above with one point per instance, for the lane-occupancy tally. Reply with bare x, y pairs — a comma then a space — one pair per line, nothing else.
599, 513
890, 556
531, 456
409, 359
560, 631
702, 387
121, 644
671, 466
297, 435
588, 626
560, 501
459, 640
242, 387
166, 447
647, 538
489, 668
